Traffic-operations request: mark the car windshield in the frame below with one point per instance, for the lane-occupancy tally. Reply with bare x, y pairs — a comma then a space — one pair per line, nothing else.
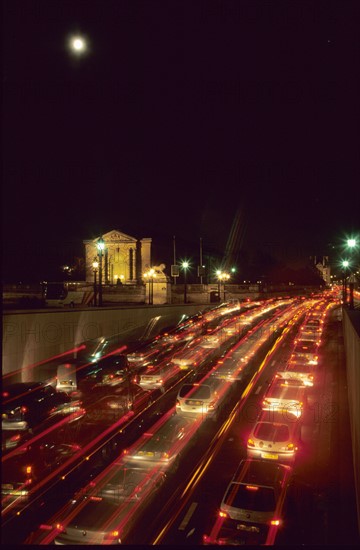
272, 431
250, 497
193, 391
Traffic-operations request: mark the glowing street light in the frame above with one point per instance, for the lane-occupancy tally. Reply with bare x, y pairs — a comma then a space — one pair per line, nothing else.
351, 243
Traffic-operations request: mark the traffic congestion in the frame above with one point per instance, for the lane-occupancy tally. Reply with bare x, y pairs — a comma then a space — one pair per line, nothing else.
134, 431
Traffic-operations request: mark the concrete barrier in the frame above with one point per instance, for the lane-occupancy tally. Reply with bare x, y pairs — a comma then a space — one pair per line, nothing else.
32, 337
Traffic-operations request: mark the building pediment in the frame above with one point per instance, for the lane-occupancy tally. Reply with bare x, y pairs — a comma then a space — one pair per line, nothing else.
117, 236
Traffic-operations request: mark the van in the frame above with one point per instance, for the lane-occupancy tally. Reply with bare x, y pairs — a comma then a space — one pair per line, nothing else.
66, 378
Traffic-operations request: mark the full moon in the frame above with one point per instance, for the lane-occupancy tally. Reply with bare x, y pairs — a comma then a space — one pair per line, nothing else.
78, 45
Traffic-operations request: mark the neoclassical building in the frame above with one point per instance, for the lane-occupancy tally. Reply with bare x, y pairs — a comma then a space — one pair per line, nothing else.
124, 258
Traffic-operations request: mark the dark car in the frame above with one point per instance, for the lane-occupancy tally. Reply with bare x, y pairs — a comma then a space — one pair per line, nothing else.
27, 404
111, 371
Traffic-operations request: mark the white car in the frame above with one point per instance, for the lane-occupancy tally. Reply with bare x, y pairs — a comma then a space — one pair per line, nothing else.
275, 436
282, 395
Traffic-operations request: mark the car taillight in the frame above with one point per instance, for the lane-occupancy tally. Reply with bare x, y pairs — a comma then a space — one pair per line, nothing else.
290, 447
23, 409
60, 527
222, 514
275, 522
212, 405
112, 535
177, 403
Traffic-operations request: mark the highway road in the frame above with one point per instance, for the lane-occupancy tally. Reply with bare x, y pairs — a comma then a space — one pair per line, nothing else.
180, 505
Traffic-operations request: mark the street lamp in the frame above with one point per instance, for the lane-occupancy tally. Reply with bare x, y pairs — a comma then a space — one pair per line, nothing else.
222, 277
345, 264
150, 276
100, 246
95, 268
185, 265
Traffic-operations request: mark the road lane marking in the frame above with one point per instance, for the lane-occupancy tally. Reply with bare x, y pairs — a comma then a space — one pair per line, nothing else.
188, 515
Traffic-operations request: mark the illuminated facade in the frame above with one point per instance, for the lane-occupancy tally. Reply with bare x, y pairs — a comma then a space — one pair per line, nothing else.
124, 258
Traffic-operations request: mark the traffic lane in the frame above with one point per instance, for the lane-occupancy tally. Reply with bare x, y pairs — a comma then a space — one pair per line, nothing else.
208, 494
207, 446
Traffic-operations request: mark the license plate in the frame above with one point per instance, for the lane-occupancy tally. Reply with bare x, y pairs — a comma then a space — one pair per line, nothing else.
270, 455
252, 528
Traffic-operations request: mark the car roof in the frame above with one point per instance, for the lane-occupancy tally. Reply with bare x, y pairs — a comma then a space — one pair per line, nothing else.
19, 388
260, 472
279, 417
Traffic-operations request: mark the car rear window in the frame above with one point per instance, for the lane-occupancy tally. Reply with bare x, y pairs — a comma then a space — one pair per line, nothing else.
272, 431
200, 392
250, 497
284, 392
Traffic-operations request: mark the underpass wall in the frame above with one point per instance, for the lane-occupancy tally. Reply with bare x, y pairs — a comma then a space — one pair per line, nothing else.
32, 337
351, 327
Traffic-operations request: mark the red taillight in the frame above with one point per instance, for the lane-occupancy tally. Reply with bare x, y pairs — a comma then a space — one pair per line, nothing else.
222, 514
275, 522
252, 488
23, 409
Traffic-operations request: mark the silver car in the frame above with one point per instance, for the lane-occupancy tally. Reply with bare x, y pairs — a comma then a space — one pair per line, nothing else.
252, 508
199, 400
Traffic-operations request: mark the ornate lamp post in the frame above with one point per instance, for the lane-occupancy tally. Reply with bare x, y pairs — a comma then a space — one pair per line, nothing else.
222, 276
150, 276
100, 246
95, 268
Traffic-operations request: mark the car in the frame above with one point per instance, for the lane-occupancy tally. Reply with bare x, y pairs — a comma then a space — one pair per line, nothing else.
199, 400
252, 509
282, 395
110, 371
308, 335
275, 436
23, 472
302, 374
26, 404
159, 376
105, 511
189, 357
162, 446
113, 406
306, 351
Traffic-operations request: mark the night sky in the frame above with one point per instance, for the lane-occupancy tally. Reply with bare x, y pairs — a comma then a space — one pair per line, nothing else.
236, 122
